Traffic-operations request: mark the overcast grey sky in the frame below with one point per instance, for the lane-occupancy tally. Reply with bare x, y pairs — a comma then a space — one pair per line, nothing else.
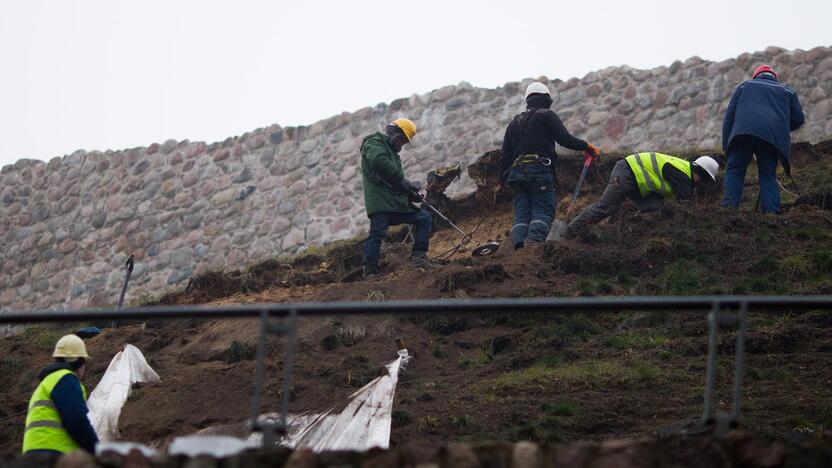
107, 74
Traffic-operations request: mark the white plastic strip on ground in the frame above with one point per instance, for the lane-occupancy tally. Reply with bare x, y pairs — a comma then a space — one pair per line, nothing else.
105, 402
363, 424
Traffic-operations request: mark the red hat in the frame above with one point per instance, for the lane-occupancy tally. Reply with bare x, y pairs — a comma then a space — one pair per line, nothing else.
763, 69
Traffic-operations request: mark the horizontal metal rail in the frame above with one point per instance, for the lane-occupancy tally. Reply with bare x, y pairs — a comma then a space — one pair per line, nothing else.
553, 305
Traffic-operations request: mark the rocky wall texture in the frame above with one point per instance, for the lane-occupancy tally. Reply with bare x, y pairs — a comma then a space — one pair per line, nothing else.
183, 208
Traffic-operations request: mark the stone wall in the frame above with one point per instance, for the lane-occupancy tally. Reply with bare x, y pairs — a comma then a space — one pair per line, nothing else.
184, 208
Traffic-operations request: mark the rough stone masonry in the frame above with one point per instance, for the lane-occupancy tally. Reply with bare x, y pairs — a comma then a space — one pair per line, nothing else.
184, 208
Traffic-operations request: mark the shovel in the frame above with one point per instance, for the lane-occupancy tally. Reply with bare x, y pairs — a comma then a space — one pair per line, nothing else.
558, 231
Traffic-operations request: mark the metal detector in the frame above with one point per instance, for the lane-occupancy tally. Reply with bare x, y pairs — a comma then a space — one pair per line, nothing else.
480, 251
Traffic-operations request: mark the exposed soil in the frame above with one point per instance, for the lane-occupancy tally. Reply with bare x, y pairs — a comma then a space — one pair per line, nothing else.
505, 376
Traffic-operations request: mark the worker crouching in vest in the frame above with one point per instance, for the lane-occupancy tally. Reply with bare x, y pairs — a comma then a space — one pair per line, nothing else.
57, 420
389, 197
527, 164
647, 179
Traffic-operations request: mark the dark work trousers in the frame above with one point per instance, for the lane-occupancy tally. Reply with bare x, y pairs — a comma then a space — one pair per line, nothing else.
379, 222
622, 185
739, 156
534, 203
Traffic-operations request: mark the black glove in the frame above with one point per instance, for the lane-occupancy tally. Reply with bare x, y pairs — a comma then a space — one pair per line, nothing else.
408, 186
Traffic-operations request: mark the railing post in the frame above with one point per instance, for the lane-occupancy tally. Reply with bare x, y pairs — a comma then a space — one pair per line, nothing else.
269, 429
710, 381
739, 369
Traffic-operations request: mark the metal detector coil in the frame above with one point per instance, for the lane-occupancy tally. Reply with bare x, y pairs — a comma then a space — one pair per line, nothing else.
485, 249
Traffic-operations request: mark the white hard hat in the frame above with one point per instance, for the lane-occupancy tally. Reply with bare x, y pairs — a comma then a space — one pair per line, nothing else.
536, 87
70, 347
709, 164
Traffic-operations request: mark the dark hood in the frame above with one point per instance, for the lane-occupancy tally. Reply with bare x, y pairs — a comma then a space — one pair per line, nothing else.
55, 366
767, 77
539, 101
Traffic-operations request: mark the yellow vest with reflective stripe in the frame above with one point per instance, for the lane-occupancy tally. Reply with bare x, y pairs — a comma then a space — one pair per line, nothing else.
44, 430
647, 167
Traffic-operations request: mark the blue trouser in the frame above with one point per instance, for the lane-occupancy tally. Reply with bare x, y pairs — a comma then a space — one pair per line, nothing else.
739, 156
534, 203
379, 222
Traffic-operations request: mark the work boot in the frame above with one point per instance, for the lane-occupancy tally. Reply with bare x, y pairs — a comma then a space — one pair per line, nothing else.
420, 260
369, 271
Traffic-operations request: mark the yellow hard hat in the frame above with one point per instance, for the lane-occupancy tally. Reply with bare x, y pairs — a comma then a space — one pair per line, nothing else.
70, 346
407, 126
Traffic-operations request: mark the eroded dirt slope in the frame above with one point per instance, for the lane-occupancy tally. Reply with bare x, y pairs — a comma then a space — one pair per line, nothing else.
513, 376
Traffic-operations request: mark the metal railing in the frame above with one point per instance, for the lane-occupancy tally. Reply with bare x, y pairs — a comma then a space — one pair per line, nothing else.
724, 312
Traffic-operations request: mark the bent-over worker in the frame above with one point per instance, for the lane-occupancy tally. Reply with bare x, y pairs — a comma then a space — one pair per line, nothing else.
57, 420
528, 161
647, 179
758, 120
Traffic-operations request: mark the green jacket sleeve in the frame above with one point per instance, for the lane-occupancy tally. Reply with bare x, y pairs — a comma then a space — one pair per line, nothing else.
380, 162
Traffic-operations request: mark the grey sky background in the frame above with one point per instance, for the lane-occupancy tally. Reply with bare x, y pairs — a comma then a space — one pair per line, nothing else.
114, 74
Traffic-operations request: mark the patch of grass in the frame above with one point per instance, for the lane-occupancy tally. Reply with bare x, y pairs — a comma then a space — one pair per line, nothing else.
570, 327
428, 425
561, 408
795, 266
771, 283
351, 334
447, 325
239, 351
545, 429
10, 366
375, 295
624, 280
462, 423
821, 260
43, 337
400, 418
657, 245
592, 373
682, 278
635, 341
438, 352
330, 342
765, 265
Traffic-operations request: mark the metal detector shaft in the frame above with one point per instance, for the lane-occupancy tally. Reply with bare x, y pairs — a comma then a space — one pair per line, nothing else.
465, 236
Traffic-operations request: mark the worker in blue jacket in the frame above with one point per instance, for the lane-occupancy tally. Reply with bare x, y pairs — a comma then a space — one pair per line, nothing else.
57, 420
759, 118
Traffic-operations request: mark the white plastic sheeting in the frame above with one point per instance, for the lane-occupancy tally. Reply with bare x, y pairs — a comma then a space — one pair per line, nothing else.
105, 402
363, 424
215, 446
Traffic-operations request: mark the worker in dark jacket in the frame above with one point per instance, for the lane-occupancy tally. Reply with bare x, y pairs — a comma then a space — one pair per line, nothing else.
647, 178
527, 164
389, 197
758, 120
57, 420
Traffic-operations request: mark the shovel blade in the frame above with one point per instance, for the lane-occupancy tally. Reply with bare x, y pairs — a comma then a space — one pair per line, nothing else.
558, 231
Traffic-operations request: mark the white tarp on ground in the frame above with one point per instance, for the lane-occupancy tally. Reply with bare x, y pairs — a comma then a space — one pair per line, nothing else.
363, 424
105, 402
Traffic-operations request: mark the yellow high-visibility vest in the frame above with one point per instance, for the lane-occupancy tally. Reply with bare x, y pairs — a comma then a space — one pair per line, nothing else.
647, 167
44, 429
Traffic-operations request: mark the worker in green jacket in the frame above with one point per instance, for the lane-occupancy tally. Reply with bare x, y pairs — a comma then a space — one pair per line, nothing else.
389, 197
57, 420
647, 179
